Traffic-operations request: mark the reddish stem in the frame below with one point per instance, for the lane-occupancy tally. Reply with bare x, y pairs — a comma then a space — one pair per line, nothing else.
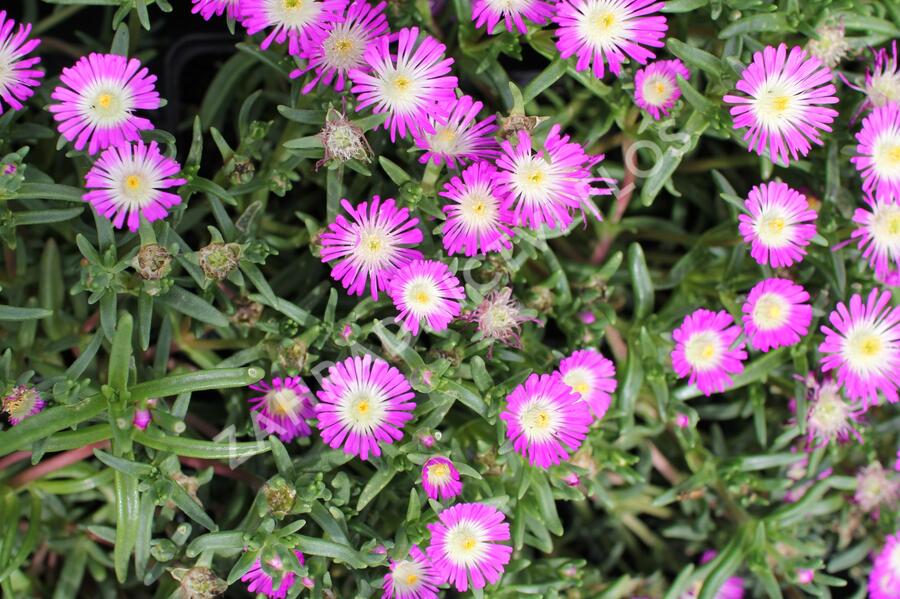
55, 463
629, 160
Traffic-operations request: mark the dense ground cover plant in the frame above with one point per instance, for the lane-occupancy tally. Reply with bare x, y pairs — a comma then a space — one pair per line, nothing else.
584, 298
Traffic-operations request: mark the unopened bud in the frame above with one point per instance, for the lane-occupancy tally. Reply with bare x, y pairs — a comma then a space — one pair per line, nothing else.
199, 583
217, 260
152, 262
343, 140
280, 497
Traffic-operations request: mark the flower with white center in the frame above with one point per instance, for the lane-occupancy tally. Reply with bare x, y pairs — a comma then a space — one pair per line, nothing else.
829, 417
707, 350
467, 544
128, 183
20, 402
488, 13
779, 224
876, 488
425, 291
478, 215
499, 316
459, 137
592, 377
18, 77
363, 402
878, 152
440, 478
863, 346
879, 234
283, 407
297, 22
411, 578
882, 81
545, 419
777, 314
656, 86
830, 45
884, 579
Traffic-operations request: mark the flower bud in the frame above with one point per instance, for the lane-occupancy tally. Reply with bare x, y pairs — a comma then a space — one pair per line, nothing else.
152, 262
343, 140
240, 169
199, 583
280, 496
217, 260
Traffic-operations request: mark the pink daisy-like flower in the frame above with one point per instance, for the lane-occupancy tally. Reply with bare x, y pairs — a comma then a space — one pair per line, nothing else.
372, 246
363, 402
707, 350
18, 77
340, 47
97, 98
864, 347
208, 8
487, 13
426, 291
21, 402
459, 136
882, 83
656, 86
283, 407
776, 314
547, 186
411, 84
879, 234
411, 578
592, 377
128, 182
545, 419
259, 581
878, 152
785, 109
884, 579
478, 215
297, 22
466, 544
609, 31
779, 224
829, 417
440, 478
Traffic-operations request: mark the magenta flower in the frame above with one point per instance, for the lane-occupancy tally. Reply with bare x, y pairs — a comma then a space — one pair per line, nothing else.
466, 545
884, 579
829, 417
779, 224
864, 347
707, 350
487, 13
785, 109
363, 402
426, 291
258, 581
879, 234
372, 246
339, 48
128, 181
411, 578
478, 216
592, 377
656, 86
459, 136
412, 84
283, 407
882, 83
547, 186
545, 419
609, 31
440, 478
878, 152
97, 98
208, 8
777, 314
297, 22
18, 77
20, 402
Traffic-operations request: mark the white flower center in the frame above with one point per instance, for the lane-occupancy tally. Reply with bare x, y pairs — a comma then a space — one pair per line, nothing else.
439, 474
657, 90
771, 311
886, 154
375, 247
534, 180
407, 576
581, 380
7, 74
282, 402
343, 48
773, 227
363, 407
478, 208
447, 140
604, 23
777, 104
134, 183
540, 420
865, 348
400, 89
106, 104
421, 295
465, 544
508, 6
703, 350
293, 14
884, 88
894, 560
885, 227
828, 414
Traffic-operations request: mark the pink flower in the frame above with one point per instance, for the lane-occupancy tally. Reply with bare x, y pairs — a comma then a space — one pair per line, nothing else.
707, 350
363, 402
258, 581
96, 100
785, 109
459, 136
864, 347
779, 224
283, 407
545, 419
608, 31
682, 420
18, 77
297, 22
141, 419
777, 314
128, 183
21, 402
879, 234
549, 185
878, 152
656, 86
411, 84
882, 83
487, 13
478, 215
440, 478
466, 544
425, 291
372, 246
411, 578
884, 579
340, 46
587, 317
592, 377
208, 8
805, 575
